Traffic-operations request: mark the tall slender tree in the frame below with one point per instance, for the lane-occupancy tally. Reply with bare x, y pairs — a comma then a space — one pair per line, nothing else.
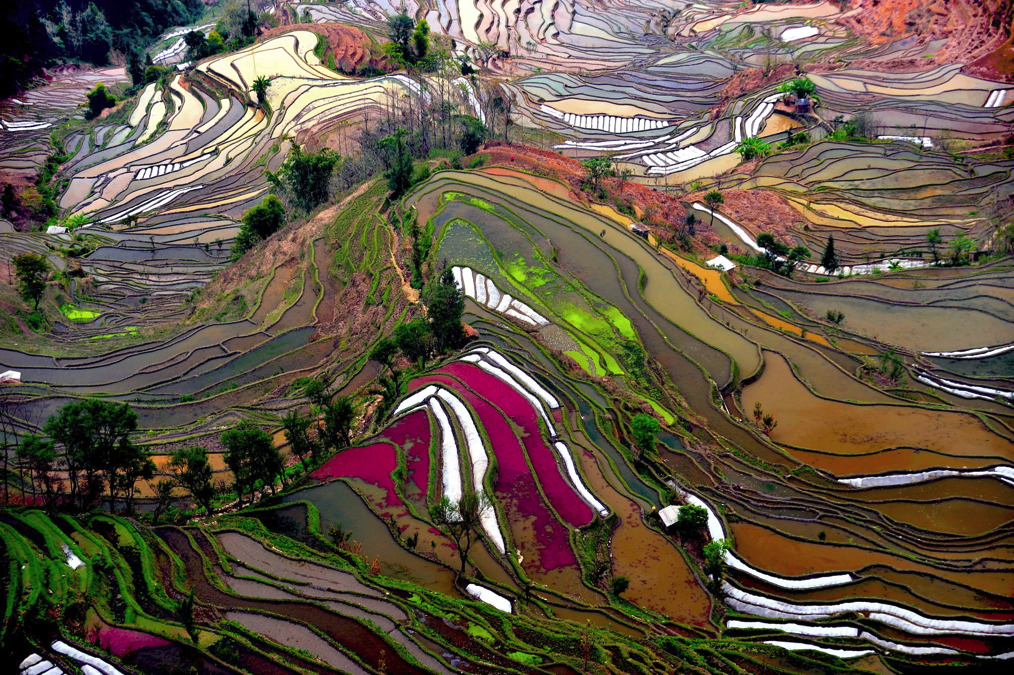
829, 261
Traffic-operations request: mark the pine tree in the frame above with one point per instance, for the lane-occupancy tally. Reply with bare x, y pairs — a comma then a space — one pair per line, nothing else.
829, 261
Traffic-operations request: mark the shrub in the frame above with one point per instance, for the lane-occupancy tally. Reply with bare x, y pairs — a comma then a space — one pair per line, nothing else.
98, 100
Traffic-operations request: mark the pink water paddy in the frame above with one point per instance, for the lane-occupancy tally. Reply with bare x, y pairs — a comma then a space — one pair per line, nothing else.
561, 495
371, 463
123, 641
412, 434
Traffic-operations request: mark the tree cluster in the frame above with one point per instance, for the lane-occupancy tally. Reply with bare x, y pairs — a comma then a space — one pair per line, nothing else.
98, 100
439, 333
259, 223
252, 457
41, 33
410, 41
778, 257
90, 441
305, 177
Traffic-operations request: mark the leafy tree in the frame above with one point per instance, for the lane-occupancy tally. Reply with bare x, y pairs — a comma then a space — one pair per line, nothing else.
473, 134
251, 455
98, 100
445, 307
8, 200
132, 464
40, 456
163, 498
620, 585
800, 87
461, 521
185, 614
260, 87
598, 168
829, 260
399, 171
307, 176
245, 240
338, 419
191, 469
421, 40
960, 250
197, 45
316, 391
32, 272
934, 239
384, 351
752, 147
644, 428
267, 218
95, 437
414, 340
692, 520
714, 559
297, 434
714, 199
796, 255
400, 28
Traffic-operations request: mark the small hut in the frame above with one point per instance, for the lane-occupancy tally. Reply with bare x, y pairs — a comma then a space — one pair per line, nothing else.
803, 105
640, 230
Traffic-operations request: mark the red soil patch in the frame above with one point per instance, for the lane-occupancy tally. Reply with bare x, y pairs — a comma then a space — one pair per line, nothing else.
758, 211
750, 80
657, 209
973, 29
348, 50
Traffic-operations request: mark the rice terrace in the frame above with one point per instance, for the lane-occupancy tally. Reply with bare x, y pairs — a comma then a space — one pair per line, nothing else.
521, 336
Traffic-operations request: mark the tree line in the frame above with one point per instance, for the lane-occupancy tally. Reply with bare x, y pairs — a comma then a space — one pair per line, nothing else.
86, 455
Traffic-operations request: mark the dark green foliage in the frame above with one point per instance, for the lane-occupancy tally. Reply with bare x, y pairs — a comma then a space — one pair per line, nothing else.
191, 469
384, 351
95, 437
245, 240
644, 427
691, 520
714, 559
473, 134
620, 585
414, 340
41, 33
446, 304
399, 30
32, 273
297, 434
259, 223
39, 455
251, 456
800, 87
316, 391
98, 100
829, 260
598, 168
306, 176
834, 316
339, 416
185, 615
8, 200
410, 42
752, 147
260, 87
421, 40
399, 171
